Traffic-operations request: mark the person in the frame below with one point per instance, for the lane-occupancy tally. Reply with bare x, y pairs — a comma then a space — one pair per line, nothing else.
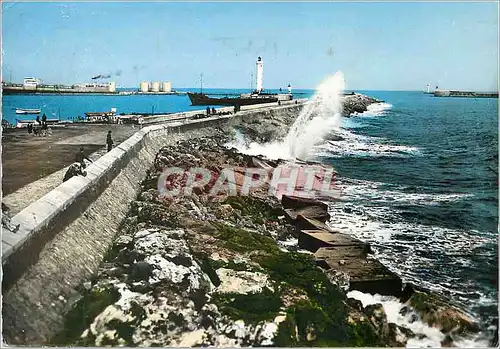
81, 157
44, 128
213, 111
6, 219
109, 141
208, 110
38, 119
44, 119
30, 128
74, 169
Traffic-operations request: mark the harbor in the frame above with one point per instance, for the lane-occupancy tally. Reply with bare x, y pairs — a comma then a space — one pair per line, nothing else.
180, 175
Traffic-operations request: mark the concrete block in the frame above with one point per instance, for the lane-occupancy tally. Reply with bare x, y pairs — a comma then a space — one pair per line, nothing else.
304, 223
10, 239
70, 188
312, 212
296, 202
95, 172
313, 240
57, 197
365, 274
6, 250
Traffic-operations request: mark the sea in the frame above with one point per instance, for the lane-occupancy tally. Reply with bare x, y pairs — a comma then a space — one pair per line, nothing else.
419, 181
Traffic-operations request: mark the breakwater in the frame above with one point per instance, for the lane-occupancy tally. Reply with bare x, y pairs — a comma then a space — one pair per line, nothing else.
465, 94
64, 235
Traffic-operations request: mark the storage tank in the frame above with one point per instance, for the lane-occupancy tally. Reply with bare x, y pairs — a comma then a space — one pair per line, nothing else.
166, 87
112, 86
155, 87
144, 86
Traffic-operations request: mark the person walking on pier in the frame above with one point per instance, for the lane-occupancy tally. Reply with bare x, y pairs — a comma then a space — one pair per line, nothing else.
208, 110
38, 119
44, 119
109, 141
81, 157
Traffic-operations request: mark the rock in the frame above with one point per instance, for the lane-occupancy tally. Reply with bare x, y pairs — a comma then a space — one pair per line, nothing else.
378, 318
436, 312
141, 271
242, 282
224, 211
355, 304
398, 336
339, 278
356, 103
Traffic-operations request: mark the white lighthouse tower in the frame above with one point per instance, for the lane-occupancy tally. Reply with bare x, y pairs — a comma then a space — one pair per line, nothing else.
289, 89
260, 72
428, 88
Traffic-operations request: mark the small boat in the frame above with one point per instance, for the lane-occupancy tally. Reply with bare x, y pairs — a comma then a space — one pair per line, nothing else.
25, 123
27, 111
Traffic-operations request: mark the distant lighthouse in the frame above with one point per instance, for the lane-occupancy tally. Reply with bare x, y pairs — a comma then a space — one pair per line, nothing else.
428, 88
289, 89
260, 72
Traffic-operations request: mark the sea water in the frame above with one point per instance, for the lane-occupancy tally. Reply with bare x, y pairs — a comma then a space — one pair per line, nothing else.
419, 182
418, 177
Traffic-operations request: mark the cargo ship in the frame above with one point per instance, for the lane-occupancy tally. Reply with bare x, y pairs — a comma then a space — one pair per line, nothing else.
252, 98
255, 97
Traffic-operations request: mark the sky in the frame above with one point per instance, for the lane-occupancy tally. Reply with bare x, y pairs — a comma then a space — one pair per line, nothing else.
377, 45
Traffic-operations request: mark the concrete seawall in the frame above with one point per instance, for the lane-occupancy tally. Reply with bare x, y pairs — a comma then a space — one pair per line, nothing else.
64, 236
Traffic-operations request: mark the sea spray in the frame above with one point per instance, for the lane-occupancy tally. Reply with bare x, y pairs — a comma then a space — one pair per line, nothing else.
319, 117
425, 335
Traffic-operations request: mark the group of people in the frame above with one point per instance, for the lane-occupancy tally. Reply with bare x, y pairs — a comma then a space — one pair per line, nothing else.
42, 129
213, 111
78, 167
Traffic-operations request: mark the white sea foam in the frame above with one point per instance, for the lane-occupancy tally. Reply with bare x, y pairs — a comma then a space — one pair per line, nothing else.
315, 121
418, 253
426, 336
431, 337
353, 144
375, 109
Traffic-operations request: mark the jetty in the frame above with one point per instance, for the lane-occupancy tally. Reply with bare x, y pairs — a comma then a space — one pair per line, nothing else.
464, 94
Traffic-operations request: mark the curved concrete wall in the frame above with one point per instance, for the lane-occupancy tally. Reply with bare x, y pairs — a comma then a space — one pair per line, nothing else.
64, 235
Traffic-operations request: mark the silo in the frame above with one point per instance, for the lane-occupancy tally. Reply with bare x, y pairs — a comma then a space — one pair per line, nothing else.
112, 86
166, 87
144, 86
155, 87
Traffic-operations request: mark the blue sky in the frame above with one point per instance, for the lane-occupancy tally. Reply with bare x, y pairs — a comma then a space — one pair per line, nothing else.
379, 46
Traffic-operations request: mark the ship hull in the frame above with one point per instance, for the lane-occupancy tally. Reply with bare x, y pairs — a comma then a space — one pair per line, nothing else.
202, 99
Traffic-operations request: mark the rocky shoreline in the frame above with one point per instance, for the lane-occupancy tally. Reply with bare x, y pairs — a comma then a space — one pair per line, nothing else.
257, 270
357, 104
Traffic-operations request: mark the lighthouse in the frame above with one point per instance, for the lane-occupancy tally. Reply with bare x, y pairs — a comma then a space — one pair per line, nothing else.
260, 72
428, 88
289, 89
